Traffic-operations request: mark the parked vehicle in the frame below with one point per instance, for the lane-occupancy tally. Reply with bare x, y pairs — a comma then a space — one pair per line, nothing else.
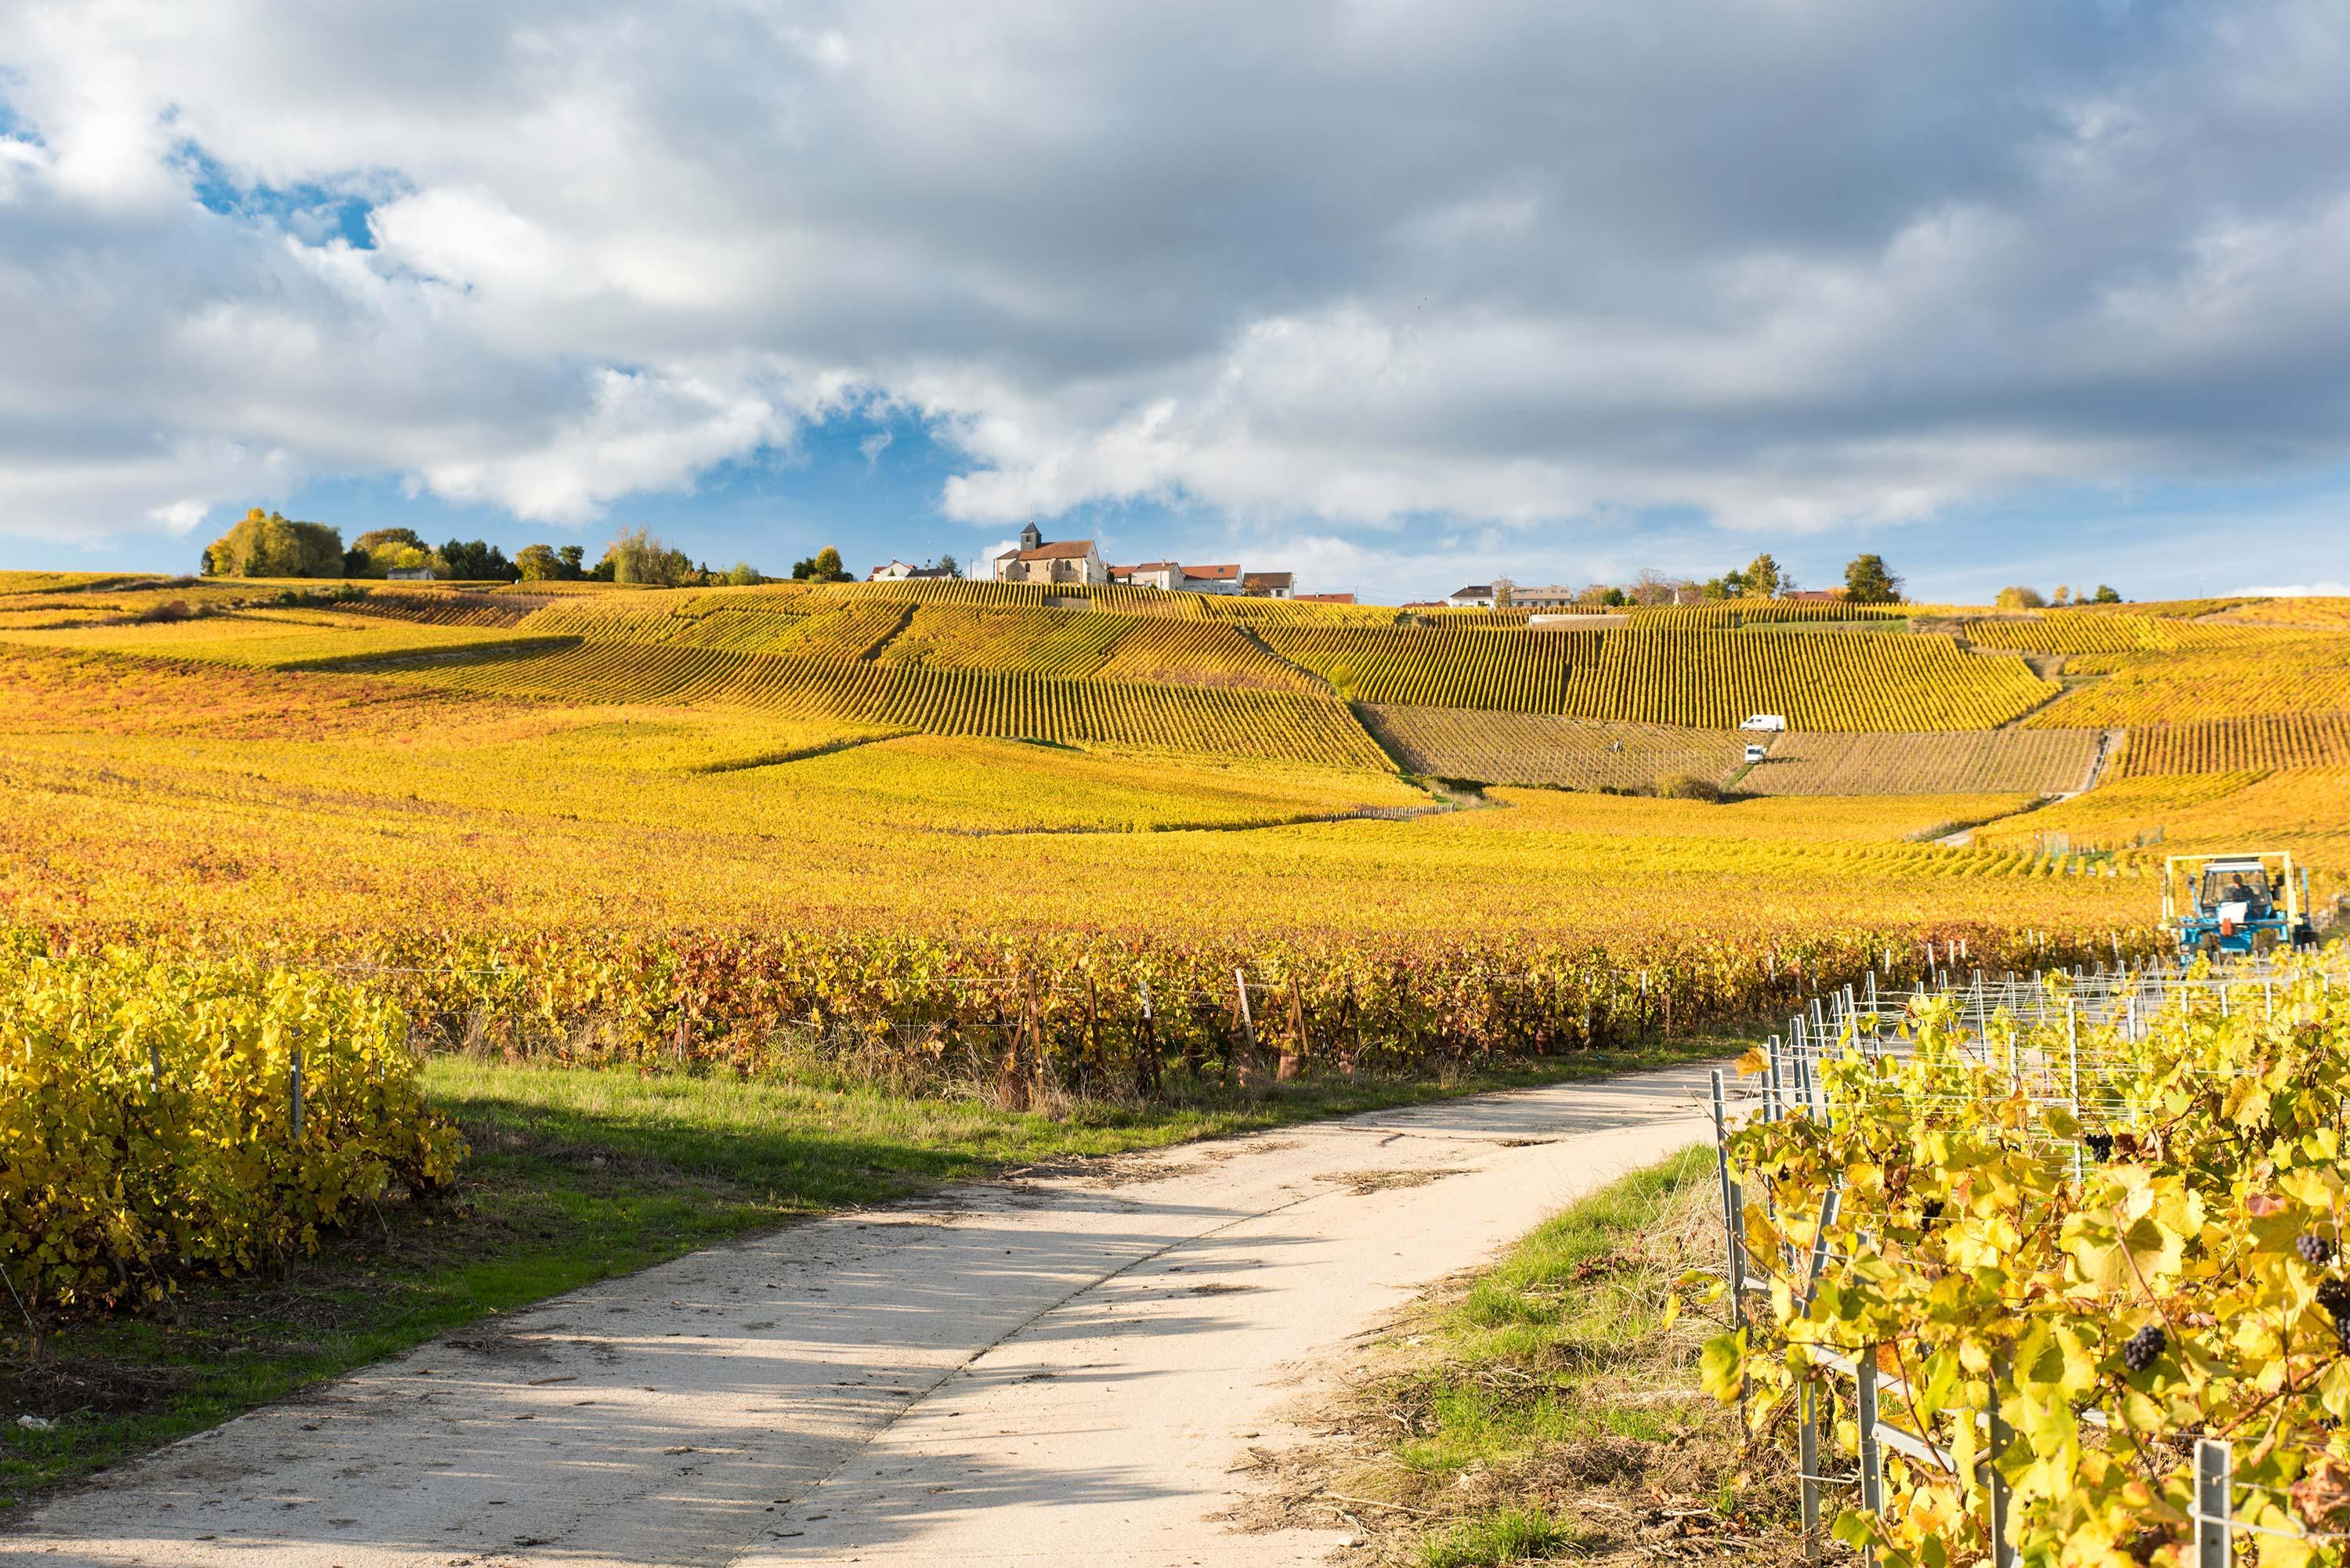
1774, 722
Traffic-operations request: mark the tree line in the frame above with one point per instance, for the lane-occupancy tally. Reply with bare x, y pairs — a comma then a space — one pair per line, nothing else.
1867, 580
267, 544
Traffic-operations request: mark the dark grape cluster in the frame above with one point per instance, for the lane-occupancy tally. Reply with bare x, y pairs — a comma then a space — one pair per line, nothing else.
2316, 1251
2143, 1347
1931, 1210
2333, 1295
2100, 1144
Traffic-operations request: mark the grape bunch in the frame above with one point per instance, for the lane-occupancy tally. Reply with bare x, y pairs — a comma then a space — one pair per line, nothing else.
2333, 1295
2143, 1347
1931, 1210
2101, 1144
2316, 1251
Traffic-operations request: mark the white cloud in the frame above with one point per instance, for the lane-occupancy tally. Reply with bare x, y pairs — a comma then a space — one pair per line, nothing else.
1512, 266
2298, 591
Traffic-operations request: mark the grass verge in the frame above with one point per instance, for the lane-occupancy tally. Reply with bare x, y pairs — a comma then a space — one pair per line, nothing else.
578, 1175
1542, 1409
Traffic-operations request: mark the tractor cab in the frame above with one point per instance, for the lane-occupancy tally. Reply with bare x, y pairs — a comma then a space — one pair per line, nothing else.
2248, 903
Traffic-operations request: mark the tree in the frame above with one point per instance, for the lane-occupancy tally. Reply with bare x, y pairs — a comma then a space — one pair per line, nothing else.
571, 555
1652, 587
538, 563
2063, 594
745, 574
264, 545
949, 566
824, 567
1763, 579
1502, 588
2106, 596
375, 539
476, 560
638, 556
1868, 582
2020, 598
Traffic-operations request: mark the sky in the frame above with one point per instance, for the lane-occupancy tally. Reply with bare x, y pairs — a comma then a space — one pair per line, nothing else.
1393, 296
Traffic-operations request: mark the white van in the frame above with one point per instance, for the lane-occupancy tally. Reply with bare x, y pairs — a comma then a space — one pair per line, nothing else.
1756, 753
1770, 722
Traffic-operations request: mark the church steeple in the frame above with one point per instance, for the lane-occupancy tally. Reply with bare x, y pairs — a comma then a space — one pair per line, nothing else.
1030, 539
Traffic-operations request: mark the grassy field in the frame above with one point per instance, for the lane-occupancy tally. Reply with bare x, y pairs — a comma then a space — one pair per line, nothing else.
576, 1176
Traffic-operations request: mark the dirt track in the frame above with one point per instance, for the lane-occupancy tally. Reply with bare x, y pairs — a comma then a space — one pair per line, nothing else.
1060, 1370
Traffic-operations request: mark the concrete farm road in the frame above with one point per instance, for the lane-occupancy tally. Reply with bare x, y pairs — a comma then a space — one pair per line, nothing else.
1059, 1370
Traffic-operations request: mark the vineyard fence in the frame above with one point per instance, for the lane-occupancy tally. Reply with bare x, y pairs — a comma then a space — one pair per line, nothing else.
2124, 997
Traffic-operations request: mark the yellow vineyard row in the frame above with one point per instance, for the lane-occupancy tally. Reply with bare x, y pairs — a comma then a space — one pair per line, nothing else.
2067, 631
1473, 666
1816, 681
2292, 675
1272, 725
2258, 742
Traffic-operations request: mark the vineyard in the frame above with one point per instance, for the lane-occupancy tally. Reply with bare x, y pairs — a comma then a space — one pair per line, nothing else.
2038, 1278
2034, 762
2298, 675
162, 1119
2079, 632
1541, 749
1818, 681
2260, 741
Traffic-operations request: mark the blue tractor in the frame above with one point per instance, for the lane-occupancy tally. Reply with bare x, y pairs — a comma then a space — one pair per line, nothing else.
2236, 904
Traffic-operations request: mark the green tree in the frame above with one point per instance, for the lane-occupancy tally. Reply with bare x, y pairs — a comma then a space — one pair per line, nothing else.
476, 561
538, 563
824, 567
743, 576
949, 566
639, 556
265, 545
1763, 579
2106, 596
1866, 581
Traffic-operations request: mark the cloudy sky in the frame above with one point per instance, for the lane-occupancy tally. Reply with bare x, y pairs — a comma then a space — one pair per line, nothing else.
1392, 293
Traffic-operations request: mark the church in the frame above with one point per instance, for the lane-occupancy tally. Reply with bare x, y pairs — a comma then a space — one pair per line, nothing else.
1069, 561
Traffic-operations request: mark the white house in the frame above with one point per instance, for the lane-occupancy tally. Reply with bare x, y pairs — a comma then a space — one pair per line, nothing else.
1268, 585
898, 571
1476, 594
1070, 561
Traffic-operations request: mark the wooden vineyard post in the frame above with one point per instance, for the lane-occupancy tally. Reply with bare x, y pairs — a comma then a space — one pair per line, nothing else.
1095, 1068
1350, 1027
1011, 1086
1031, 1025
1807, 1465
294, 1096
1145, 1049
1248, 1063
1299, 1047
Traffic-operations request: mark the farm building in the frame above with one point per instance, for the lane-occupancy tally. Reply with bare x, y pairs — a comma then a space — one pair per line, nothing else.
1268, 585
